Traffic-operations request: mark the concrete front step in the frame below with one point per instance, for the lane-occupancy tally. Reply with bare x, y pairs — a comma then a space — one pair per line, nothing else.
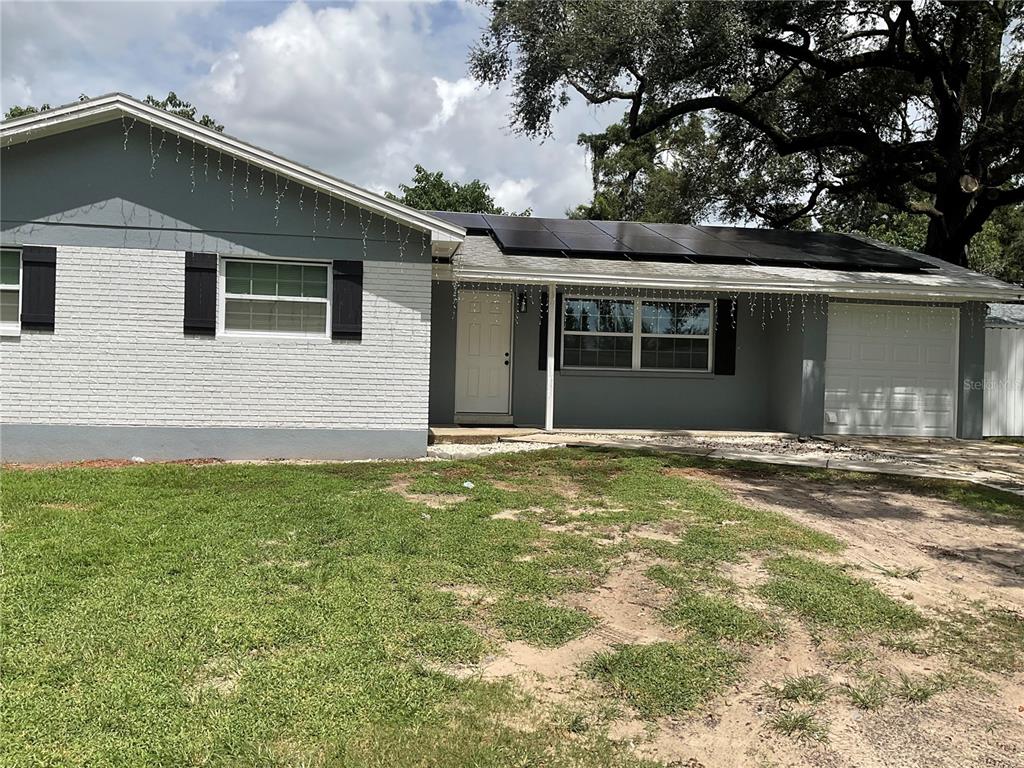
441, 435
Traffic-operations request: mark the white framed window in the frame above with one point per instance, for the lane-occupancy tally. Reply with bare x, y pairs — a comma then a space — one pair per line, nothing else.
275, 298
636, 334
10, 292
675, 335
597, 333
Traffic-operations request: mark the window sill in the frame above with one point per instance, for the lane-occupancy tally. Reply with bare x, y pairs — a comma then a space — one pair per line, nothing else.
10, 331
630, 373
282, 337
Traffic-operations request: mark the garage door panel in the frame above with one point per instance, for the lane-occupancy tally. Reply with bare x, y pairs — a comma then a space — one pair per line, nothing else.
891, 370
874, 352
840, 350
904, 354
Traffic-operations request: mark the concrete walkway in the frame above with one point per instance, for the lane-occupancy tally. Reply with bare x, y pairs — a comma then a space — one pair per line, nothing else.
996, 465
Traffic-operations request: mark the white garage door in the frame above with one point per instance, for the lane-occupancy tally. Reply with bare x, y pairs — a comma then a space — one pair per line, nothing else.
891, 370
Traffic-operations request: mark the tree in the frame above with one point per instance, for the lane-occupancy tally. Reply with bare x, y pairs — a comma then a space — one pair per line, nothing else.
777, 110
176, 106
431, 191
171, 104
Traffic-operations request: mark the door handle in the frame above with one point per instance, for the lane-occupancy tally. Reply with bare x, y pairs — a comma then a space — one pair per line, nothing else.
506, 362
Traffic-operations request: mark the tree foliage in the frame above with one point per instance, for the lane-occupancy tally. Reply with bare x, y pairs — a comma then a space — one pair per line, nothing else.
779, 111
172, 103
181, 108
431, 191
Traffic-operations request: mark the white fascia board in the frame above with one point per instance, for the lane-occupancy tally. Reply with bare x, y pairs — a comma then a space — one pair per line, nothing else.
105, 108
894, 292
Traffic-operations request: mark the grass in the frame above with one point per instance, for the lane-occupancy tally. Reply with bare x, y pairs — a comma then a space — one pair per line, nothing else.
870, 696
904, 644
826, 596
540, 624
895, 572
802, 725
810, 689
920, 688
991, 639
666, 678
715, 617
299, 615
281, 614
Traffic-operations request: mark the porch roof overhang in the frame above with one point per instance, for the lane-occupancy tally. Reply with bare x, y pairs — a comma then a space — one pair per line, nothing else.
479, 260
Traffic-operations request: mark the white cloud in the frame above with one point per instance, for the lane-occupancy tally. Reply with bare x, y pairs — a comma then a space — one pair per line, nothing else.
451, 94
514, 194
367, 91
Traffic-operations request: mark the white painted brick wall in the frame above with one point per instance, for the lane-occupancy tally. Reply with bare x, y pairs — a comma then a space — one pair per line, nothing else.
118, 356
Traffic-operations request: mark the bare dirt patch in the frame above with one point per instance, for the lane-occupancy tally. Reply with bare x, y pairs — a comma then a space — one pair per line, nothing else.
930, 553
400, 485
953, 552
218, 676
627, 606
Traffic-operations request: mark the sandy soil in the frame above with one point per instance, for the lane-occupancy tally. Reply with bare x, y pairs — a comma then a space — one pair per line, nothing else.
963, 556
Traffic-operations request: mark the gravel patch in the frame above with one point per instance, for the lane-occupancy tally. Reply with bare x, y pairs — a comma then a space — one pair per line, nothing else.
447, 451
768, 444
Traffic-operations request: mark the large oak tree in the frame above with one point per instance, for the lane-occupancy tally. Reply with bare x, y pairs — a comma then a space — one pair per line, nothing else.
780, 110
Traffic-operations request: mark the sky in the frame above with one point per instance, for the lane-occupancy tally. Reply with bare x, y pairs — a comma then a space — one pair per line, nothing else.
361, 90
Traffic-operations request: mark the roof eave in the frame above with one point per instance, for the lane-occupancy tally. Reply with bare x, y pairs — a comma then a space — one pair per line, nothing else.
895, 292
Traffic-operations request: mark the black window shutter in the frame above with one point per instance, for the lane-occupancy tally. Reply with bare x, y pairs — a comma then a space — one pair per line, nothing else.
201, 293
347, 300
542, 361
38, 287
726, 318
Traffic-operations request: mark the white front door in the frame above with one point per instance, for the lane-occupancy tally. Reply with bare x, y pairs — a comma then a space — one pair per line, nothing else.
483, 356
891, 370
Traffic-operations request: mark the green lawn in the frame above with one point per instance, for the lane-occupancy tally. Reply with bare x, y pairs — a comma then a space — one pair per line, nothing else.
287, 615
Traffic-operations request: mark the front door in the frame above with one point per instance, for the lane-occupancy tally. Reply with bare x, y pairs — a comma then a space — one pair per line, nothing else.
483, 358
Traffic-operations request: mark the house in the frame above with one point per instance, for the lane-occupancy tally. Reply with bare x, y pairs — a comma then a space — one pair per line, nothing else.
1004, 371
170, 291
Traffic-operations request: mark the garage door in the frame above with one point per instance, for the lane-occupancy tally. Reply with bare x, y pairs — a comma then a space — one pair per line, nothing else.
891, 370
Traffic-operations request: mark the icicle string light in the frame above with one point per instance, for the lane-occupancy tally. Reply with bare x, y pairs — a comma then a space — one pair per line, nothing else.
127, 129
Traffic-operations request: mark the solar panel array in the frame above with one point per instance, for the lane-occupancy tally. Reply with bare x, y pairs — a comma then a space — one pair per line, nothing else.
527, 235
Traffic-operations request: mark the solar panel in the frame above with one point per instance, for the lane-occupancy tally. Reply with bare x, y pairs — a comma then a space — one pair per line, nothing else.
674, 231
654, 245
682, 242
597, 243
821, 249
575, 226
473, 222
514, 222
525, 240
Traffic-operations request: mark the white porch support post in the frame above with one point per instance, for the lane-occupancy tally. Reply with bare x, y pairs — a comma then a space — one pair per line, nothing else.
549, 385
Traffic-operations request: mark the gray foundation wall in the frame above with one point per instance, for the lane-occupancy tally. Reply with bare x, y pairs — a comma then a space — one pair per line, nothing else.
23, 443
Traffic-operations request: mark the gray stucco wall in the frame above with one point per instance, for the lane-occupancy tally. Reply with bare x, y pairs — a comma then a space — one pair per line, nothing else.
91, 188
796, 373
971, 394
750, 399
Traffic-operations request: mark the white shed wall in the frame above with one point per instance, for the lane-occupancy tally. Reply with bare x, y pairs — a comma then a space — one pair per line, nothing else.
1004, 382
